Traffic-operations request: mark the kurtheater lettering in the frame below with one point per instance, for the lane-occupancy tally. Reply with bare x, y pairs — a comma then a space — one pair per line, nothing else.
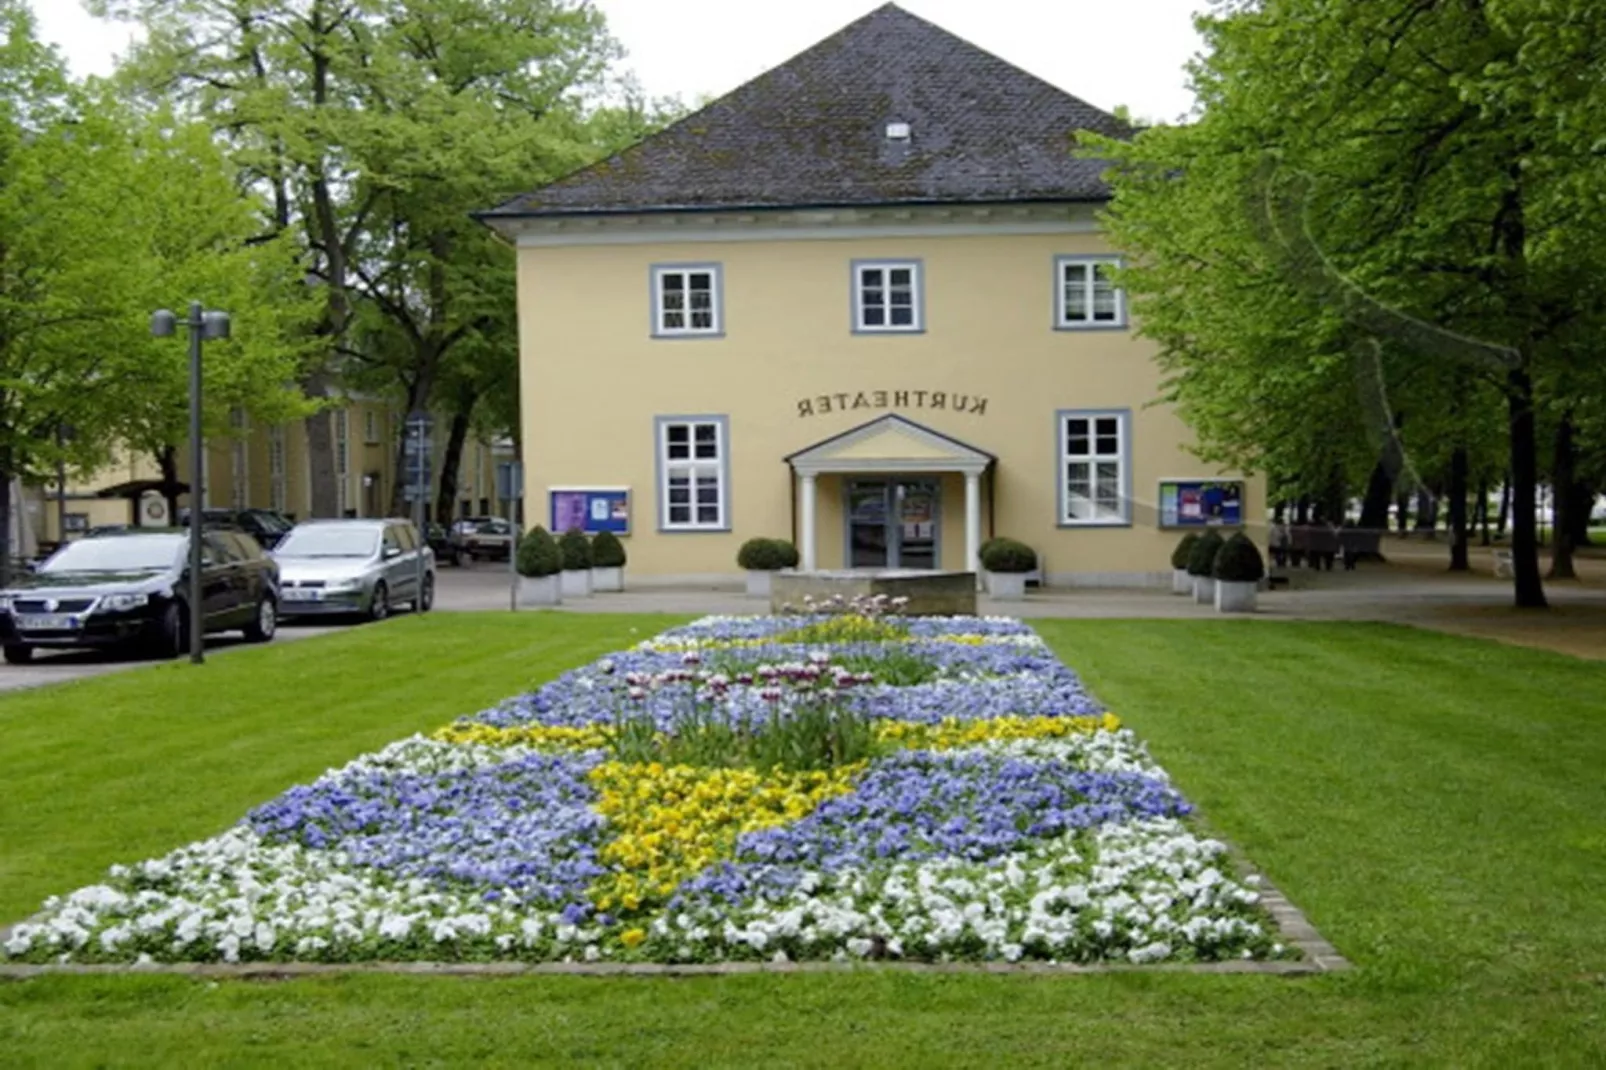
826, 404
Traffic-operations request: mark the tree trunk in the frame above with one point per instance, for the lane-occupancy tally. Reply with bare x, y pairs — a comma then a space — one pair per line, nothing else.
6, 505
1402, 513
1565, 501
167, 465
1528, 585
1375, 506
1583, 504
325, 502
1302, 511
418, 398
1427, 512
1483, 511
451, 461
1458, 511
1505, 508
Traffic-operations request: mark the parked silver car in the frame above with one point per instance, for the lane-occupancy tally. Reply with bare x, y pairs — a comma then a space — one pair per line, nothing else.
329, 567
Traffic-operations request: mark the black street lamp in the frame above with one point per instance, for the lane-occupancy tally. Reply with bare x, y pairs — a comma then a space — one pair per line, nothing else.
203, 326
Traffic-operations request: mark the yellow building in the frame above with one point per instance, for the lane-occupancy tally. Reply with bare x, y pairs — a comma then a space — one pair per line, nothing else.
862, 302
269, 467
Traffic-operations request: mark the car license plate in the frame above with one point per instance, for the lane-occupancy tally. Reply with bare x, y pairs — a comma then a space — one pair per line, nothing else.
292, 594
46, 622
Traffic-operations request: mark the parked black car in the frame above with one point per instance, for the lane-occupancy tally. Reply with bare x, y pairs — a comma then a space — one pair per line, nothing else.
267, 527
129, 589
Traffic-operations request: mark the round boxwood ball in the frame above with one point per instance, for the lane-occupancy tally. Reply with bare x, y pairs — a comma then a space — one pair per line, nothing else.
766, 555
607, 551
1184, 550
1239, 561
1203, 556
1008, 555
538, 554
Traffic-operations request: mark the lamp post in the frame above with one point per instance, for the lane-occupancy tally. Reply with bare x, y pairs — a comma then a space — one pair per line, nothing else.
203, 326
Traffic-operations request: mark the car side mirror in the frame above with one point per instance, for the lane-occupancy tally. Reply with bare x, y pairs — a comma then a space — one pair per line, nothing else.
392, 551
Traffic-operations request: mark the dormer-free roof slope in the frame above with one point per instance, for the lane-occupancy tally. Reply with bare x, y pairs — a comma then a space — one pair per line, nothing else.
814, 132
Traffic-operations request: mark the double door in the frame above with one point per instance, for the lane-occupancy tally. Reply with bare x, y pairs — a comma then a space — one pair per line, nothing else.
893, 523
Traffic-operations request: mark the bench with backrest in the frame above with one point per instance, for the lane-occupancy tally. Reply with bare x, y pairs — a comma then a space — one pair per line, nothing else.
1358, 543
1315, 544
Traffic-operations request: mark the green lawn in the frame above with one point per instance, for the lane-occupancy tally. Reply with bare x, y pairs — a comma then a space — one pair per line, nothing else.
1435, 804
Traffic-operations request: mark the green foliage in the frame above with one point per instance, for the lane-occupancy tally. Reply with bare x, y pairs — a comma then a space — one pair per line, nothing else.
815, 736
847, 628
767, 555
538, 554
1239, 561
1008, 555
575, 550
1202, 558
1184, 551
607, 551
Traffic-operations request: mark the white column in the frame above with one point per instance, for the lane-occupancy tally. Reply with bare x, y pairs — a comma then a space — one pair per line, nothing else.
806, 522
973, 523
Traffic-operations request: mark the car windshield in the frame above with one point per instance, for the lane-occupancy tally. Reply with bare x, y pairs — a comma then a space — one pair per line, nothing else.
494, 527
321, 540
270, 522
117, 553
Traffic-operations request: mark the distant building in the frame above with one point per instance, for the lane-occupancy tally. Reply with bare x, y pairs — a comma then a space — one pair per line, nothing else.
862, 302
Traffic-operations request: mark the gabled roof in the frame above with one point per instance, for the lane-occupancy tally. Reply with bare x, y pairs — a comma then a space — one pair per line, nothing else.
890, 443
813, 132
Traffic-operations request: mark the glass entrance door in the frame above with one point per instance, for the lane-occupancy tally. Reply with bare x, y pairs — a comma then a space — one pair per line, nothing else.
892, 523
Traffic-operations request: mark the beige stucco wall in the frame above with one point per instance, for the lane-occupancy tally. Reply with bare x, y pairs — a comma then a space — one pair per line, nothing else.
594, 380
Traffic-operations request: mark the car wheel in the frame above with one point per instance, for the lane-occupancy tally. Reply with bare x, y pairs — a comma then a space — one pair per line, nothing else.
426, 599
172, 635
17, 654
379, 607
265, 623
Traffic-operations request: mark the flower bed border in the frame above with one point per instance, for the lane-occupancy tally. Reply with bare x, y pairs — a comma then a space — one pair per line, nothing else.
1319, 957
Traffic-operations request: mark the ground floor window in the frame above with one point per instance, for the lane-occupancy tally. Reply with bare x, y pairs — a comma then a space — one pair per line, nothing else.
693, 473
1095, 467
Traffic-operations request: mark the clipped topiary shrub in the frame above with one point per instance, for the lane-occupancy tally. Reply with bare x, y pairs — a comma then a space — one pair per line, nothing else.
1202, 558
1007, 555
766, 555
538, 554
575, 549
1239, 561
607, 551
1184, 550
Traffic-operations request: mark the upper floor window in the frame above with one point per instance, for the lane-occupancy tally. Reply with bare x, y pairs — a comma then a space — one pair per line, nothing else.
1095, 467
886, 296
1086, 295
686, 301
694, 473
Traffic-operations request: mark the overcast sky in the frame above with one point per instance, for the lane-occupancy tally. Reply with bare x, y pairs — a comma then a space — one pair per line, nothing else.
1108, 52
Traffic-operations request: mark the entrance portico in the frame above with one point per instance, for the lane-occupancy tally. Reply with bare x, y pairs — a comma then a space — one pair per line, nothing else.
891, 471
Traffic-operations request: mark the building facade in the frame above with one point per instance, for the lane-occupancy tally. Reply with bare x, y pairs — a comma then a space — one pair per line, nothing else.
863, 303
270, 467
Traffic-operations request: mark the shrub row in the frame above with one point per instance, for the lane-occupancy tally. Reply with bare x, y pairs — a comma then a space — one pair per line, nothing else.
539, 554
1234, 560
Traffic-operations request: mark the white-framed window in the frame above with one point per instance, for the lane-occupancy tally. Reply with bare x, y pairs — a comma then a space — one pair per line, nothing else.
686, 301
239, 461
342, 460
1095, 467
1085, 294
693, 473
887, 297
277, 490
370, 428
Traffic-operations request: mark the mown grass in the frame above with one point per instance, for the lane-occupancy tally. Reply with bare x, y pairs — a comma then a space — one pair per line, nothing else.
1435, 805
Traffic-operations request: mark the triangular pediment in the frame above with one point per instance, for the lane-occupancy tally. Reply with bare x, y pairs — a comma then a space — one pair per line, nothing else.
890, 444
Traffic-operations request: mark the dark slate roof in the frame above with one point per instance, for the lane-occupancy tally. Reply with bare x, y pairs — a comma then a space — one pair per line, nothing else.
812, 132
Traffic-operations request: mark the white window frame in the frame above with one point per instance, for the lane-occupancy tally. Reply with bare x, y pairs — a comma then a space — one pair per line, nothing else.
716, 300
370, 428
1091, 457
239, 461
917, 296
699, 472
1088, 266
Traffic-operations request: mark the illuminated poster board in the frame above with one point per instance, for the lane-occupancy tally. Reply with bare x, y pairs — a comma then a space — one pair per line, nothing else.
1201, 503
591, 509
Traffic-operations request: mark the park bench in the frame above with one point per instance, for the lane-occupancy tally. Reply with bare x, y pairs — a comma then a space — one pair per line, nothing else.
1502, 564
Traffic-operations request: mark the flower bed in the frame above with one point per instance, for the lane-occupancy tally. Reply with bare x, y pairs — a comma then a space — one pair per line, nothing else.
787, 788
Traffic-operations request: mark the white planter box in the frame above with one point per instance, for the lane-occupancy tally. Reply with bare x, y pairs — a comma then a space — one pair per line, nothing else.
1181, 582
1235, 597
608, 579
540, 591
758, 582
576, 582
1007, 586
1204, 590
